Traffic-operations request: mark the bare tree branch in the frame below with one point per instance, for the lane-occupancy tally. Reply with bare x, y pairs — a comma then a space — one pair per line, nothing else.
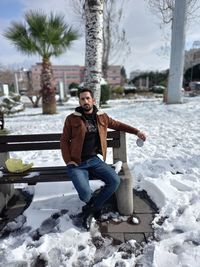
164, 9
6, 75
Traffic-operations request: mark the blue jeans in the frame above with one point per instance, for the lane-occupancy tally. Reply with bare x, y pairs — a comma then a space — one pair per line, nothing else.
97, 168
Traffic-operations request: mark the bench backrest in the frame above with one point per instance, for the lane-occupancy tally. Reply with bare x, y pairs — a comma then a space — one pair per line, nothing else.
8, 143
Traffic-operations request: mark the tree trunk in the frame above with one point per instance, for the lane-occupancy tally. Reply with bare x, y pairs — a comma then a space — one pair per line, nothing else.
94, 46
35, 102
177, 53
48, 88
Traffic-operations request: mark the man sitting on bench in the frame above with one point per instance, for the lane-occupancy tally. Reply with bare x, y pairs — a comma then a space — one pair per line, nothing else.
84, 136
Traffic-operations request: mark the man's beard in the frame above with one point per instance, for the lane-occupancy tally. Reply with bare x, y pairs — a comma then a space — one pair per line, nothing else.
87, 107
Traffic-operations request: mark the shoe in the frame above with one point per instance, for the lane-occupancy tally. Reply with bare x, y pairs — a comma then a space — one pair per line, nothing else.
98, 214
91, 201
89, 213
87, 221
88, 205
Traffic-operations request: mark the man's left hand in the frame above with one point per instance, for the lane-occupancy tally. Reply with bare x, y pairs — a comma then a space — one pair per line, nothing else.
142, 136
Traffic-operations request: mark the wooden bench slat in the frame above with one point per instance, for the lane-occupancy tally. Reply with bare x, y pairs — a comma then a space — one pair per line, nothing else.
49, 169
41, 170
45, 174
44, 137
35, 179
43, 146
29, 146
113, 134
29, 138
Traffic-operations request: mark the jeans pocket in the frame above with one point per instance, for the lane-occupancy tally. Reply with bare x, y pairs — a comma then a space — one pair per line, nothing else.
69, 166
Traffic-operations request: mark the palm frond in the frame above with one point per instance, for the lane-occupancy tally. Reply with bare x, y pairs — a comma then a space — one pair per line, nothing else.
42, 34
36, 21
18, 35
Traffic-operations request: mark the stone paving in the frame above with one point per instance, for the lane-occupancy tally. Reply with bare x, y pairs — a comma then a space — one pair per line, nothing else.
144, 210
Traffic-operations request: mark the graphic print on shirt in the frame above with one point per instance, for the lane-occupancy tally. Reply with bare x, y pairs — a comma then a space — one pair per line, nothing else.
91, 126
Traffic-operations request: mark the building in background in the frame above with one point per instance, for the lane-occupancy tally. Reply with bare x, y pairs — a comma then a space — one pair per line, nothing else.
114, 77
192, 58
192, 65
62, 74
67, 74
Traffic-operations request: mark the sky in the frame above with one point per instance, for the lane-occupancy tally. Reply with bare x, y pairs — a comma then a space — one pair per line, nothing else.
166, 167
148, 40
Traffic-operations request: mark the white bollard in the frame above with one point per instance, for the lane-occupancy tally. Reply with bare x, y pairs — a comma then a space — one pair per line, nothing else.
124, 193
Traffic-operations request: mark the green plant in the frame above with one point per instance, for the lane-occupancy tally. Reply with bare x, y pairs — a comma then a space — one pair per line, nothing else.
74, 91
105, 93
119, 90
159, 89
73, 85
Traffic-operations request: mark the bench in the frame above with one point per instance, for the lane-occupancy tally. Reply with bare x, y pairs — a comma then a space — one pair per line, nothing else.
115, 140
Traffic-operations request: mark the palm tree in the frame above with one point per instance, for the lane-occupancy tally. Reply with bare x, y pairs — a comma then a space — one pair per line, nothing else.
46, 36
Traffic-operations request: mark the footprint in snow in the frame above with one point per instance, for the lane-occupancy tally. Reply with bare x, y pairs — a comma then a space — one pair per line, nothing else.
50, 223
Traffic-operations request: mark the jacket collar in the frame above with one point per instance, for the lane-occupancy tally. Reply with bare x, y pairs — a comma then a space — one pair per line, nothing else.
79, 111
76, 113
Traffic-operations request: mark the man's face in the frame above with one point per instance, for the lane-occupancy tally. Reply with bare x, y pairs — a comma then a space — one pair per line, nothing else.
86, 101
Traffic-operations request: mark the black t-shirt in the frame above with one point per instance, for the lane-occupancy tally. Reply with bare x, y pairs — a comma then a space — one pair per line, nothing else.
91, 145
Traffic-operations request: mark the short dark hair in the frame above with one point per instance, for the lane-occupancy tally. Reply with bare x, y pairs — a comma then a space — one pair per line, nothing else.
85, 89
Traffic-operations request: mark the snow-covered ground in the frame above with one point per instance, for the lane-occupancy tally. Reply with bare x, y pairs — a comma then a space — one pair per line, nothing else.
167, 167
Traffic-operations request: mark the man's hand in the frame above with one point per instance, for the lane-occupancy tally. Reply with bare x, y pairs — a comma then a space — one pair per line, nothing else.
141, 135
72, 163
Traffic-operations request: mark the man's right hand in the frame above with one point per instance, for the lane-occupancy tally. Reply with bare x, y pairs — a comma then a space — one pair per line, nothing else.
72, 163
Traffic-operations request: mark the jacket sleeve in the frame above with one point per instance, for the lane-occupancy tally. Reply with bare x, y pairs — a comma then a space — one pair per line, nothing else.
119, 126
65, 141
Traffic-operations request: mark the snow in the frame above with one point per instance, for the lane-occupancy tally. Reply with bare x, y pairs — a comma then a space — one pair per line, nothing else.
135, 220
167, 167
118, 166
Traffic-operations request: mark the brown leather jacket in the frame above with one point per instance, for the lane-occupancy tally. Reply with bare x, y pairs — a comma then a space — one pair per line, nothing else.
74, 130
